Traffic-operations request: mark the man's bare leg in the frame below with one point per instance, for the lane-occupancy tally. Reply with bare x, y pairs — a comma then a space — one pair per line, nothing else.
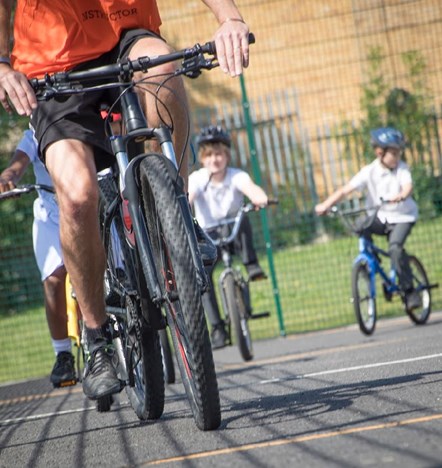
72, 168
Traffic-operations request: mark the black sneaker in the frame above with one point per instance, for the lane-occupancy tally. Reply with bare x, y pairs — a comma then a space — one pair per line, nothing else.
255, 272
207, 248
218, 336
63, 372
100, 377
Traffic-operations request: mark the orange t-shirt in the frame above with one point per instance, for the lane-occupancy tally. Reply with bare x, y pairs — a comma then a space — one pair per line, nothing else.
55, 35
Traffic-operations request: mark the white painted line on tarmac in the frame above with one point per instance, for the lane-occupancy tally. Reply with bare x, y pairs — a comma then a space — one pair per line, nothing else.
370, 366
263, 382
35, 417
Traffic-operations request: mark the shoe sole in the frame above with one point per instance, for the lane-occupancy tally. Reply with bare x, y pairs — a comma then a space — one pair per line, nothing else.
111, 391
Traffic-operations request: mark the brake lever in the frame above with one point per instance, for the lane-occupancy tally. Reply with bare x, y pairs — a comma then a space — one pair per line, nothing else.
192, 67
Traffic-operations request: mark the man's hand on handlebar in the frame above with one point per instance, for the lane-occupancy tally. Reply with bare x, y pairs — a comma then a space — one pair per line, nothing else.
232, 47
15, 91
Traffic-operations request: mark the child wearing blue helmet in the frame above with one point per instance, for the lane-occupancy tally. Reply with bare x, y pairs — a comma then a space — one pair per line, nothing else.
387, 178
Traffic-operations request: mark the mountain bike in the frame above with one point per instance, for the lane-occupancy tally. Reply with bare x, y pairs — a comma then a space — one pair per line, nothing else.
233, 287
163, 277
368, 264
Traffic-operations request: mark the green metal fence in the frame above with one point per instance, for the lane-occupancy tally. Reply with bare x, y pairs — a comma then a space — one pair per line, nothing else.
312, 256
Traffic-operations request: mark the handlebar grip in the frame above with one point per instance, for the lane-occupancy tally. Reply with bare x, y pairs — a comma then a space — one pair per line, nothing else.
210, 47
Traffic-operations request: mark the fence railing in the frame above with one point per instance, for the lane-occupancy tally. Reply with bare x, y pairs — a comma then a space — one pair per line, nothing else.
312, 256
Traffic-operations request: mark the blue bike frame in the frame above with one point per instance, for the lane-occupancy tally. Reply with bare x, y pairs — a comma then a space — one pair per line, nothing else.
367, 254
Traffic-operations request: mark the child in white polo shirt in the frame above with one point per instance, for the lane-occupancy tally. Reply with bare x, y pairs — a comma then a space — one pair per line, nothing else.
217, 192
387, 178
47, 250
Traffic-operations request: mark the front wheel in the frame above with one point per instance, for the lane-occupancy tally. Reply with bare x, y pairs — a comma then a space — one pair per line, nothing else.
421, 284
181, 293
364, 302
234, 301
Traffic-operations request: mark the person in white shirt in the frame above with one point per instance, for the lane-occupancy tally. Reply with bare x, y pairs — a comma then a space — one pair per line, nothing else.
387, 178
47, 250
217, 192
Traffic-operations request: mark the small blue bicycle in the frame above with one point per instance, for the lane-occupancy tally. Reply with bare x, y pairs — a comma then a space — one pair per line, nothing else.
367, 265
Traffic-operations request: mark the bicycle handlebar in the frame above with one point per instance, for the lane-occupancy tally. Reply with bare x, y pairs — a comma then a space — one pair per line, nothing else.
70, 82
349, 217
375, 208
22, 189
236, 221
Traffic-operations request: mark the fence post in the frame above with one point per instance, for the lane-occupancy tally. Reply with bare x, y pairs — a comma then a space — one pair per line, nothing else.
263, 213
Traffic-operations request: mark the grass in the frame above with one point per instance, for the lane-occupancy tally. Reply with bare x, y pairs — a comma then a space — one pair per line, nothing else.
313, 286
26, 349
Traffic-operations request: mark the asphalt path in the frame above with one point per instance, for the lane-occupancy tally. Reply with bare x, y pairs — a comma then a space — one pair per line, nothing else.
332, 398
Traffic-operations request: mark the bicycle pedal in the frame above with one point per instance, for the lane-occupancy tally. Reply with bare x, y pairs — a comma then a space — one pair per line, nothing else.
67, 383
260, 315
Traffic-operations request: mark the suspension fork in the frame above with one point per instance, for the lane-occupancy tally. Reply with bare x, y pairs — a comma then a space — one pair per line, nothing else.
137, 131
164, 138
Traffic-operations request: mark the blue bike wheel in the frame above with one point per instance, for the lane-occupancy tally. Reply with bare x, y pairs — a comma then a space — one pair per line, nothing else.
421, 284
364, 302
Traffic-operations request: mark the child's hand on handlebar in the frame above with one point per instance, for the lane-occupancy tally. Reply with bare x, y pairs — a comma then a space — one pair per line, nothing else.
6, 184
321, 209
397, 199
260, 201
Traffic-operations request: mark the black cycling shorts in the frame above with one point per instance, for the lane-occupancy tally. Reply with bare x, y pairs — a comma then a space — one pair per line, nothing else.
78, 116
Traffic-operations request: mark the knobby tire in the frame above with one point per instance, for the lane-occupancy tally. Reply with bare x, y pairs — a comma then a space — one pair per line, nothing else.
181, 291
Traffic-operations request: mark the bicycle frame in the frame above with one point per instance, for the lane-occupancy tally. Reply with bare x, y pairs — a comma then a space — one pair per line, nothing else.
129, 201
368, 253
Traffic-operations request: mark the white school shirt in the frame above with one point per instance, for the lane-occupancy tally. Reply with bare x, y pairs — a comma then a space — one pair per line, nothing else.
382, 183
214, 202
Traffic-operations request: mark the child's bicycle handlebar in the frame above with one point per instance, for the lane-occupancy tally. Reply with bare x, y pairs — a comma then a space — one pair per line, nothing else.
351, 217
27, 188
236, 222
